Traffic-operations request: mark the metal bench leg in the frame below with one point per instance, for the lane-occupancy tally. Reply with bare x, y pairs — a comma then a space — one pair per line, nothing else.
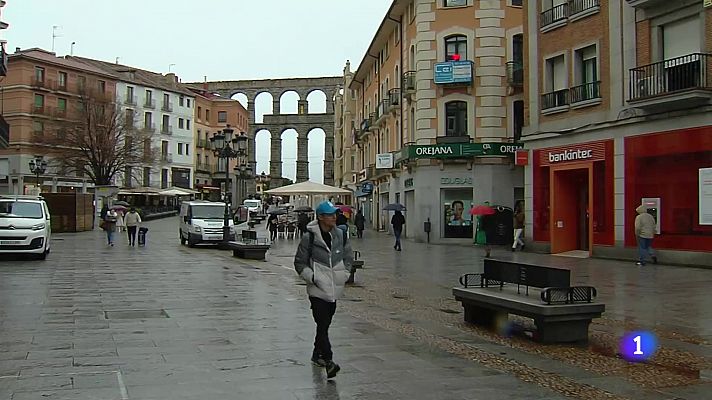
572, 331
351, 277
482, 316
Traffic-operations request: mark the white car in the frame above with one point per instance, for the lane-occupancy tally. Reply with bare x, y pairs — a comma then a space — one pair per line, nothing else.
24, 225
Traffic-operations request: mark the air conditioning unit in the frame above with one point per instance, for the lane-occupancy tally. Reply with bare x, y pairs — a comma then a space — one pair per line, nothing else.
649, 86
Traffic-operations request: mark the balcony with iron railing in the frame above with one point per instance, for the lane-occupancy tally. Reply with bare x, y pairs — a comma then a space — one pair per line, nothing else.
166, 157
645, 3
515, 74
678, 82
167, 129
382, 115
370, 171
204, 167
201, 144
149, 127
43, 83
564, 13
409, 85
587, 92
555, 101
394, 98
167, 107
149, 103
365, 127
373, 117
555, 16
130, 100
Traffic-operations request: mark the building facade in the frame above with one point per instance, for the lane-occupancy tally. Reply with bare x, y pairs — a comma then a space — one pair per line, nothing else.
161, 106
40, 92
213, 113
437, 105
4, 126
617, 111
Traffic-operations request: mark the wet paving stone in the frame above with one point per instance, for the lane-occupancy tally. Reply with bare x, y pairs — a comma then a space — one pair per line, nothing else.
244, 330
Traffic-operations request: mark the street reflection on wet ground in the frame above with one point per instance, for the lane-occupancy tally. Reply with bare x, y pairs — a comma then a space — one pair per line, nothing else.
170, 322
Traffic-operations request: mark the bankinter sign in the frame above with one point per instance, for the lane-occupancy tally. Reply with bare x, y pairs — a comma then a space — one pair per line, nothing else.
570, 155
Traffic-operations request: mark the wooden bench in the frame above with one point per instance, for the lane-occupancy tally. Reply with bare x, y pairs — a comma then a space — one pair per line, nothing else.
249, 247
357, 264
561, 313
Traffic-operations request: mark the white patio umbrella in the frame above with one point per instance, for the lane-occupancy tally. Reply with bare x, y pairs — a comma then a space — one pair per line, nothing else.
309, 189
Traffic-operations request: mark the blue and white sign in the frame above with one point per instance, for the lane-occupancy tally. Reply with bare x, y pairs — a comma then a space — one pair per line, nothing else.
367, 187
453, 72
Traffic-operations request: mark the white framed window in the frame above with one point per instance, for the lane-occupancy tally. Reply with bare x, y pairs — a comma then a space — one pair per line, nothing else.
556, 92
454, 3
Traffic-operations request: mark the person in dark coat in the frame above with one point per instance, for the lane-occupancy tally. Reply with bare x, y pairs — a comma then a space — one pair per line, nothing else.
272, 222
302, 221
398, 220
341, 221
360, 222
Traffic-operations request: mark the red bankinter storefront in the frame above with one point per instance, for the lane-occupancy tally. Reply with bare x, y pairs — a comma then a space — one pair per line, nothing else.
666, 166
573, 196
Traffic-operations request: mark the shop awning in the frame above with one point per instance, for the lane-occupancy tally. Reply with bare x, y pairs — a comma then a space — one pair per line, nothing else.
307, 188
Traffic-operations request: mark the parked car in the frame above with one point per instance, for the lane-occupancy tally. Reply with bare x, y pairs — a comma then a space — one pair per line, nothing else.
25, 225
253, 206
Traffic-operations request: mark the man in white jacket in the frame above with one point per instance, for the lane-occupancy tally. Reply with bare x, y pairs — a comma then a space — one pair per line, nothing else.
645, 232
324, 258
132, 221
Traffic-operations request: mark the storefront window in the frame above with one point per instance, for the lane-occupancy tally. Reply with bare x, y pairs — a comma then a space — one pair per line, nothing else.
666, 166
456, 205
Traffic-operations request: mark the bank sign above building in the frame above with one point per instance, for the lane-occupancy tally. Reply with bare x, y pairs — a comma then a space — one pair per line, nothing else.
452, 72
458, 150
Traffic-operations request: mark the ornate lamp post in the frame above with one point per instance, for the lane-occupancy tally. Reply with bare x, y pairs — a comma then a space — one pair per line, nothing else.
38, 166
263, 179
227, 146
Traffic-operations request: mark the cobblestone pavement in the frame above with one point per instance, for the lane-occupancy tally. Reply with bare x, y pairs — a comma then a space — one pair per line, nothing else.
170, 322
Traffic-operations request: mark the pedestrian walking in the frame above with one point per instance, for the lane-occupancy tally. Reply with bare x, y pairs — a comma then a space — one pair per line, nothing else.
398, 220
272, 222
360, 222
132, 220
341, 221
120, 225
302, 222
518, 226
109, 225
324, 259
645, 232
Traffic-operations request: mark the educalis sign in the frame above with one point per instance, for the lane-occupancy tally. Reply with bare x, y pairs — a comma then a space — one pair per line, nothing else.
459, 150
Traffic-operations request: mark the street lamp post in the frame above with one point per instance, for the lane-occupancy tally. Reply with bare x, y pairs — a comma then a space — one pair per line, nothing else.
227, 146
263, 179
243, 172
38, 166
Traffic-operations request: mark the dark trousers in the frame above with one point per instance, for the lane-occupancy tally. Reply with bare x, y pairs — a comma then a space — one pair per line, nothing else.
397, 234
273, 234
359, 233
132, 234
322, 311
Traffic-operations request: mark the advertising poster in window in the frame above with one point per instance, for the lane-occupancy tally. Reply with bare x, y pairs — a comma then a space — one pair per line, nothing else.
457, 221
705, 196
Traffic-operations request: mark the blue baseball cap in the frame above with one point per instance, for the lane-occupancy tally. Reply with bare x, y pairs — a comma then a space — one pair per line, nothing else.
325, 207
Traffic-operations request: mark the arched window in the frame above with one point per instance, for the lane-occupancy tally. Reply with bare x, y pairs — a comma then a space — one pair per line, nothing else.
456, 118
456, 48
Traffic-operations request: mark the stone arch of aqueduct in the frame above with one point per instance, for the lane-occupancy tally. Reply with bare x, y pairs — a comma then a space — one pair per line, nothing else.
277, 123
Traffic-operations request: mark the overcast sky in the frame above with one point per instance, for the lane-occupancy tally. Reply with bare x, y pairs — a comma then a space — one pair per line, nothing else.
220, 39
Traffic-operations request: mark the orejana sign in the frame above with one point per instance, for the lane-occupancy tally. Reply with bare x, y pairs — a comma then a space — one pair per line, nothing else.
460, 150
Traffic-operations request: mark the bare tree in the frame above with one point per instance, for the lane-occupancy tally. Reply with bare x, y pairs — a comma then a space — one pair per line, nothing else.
96, 138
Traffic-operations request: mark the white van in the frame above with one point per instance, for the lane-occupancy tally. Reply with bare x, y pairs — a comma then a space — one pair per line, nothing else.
202, 222
24, 225
253, 206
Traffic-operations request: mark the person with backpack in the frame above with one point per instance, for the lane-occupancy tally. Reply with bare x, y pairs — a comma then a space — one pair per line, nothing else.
323, 260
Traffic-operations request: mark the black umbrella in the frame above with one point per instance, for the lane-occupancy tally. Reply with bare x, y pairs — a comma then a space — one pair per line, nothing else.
277, 212
394, 207
303, 209
121, 203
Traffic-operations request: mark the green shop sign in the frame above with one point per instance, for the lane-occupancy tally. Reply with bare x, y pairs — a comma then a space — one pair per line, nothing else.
459, 150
